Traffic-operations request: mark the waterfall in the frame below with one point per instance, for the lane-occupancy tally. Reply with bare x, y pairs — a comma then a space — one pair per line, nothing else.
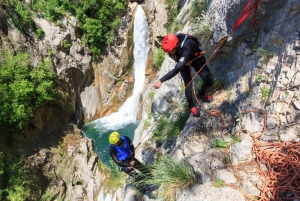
128, 111
124, 120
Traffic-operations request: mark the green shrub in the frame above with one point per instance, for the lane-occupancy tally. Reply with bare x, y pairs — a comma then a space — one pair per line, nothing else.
160, 128
265, 92
39, 33
98, 19
198, 7
22, 90
170, 175
18, 182
146, 124
219, 183
202, 27
159, 57
173, 11
220, 143
260, 78
151, 96
23, 18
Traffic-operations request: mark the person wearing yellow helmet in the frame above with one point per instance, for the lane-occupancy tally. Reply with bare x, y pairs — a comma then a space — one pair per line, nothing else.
122, 153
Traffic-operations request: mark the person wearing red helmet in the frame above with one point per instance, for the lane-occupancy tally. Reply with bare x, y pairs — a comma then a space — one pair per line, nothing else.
184, 49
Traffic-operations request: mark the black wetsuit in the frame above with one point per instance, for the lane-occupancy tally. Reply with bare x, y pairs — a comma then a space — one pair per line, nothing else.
182, 56
123, 165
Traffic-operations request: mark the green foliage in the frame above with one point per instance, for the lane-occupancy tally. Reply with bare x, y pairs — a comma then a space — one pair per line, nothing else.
265, 92
151, 96
260, 78
98, 19
50, 51
178, 124
220, 143
219, 183
115, 168
66, 44
39, 33
169, 175
22, 90
1, 163
202, 27
166, 129
239, 116
23, 17
53, 10
198, 7
47, 196
173, 11
17, 181
160, 127
235, 138
225, 160
146, 124
159, 57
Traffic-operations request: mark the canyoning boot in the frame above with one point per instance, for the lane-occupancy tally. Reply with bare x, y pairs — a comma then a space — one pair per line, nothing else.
195, 112
206, 98
153, 194
152, 191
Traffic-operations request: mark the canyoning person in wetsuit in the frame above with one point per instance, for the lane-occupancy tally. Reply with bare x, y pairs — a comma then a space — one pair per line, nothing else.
184, 48
122, 153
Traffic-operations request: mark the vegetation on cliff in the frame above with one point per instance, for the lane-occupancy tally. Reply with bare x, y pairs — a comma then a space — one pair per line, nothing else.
98, 20
25, 87
22, 89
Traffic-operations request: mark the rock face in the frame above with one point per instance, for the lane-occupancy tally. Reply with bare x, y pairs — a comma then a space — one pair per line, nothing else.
257, 72
89, 89
71, 61
71, 170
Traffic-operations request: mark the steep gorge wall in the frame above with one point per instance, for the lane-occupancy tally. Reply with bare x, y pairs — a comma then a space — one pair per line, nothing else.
256, 72
88, 89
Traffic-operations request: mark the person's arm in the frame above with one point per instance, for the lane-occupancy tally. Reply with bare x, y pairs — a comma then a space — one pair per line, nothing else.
186, 54
113, 154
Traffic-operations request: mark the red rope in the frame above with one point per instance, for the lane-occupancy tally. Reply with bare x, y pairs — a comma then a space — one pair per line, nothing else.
245, 14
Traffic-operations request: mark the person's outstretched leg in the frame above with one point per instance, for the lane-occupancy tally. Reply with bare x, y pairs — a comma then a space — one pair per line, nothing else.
186, 76
206, 77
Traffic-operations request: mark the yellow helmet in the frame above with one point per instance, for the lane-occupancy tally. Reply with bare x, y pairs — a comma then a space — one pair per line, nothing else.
114, 137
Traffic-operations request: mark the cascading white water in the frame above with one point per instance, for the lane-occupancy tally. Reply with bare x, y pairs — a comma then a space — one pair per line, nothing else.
99, 129
127, 112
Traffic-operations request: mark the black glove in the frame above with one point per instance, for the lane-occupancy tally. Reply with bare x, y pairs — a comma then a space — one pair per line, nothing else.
222, 41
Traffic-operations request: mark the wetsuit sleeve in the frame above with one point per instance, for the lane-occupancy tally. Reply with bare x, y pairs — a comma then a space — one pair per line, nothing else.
186, 54
113, 154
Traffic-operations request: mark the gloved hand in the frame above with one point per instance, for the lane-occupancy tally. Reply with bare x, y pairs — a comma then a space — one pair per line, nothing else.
222, 41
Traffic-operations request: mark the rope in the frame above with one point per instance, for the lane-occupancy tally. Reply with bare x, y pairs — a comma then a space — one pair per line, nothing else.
279, 166
217, 47
245, 14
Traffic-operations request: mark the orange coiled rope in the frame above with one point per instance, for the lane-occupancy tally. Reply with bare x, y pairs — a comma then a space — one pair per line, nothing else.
281, 180
279, 164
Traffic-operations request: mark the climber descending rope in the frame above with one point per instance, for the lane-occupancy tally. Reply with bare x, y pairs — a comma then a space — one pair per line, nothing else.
282, 179
170, 46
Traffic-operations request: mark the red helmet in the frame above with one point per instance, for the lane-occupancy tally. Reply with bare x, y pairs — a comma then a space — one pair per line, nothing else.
169, 42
